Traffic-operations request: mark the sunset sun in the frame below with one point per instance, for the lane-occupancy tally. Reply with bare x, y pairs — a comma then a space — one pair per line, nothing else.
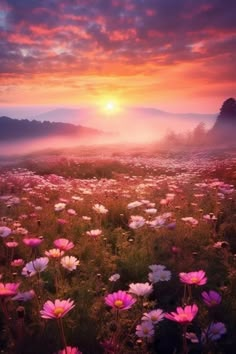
110, 107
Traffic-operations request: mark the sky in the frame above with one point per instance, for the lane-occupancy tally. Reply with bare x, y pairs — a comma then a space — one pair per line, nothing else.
176, 55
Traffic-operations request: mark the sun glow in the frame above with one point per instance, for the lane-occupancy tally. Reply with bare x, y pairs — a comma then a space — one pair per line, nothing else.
110, 107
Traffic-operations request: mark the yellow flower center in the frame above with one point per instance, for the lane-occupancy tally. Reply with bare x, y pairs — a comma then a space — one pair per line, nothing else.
58, 311
194, 280
119, 304
183, 317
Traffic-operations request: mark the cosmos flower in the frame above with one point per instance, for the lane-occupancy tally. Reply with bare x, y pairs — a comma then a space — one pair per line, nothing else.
12, 244
63, 244
69, 262
59, 206
100, 209
114, 277
134, 204
183, 315
54, 253
32, 241
17, 262
8, 289
196, 278
212, 298
71, 212
140, 289
145, 329
154, 316
136, 222
58, 309
4, 231
214, 331
34, 267
120, 300
94, 233
25, 296
159, 273
69, 350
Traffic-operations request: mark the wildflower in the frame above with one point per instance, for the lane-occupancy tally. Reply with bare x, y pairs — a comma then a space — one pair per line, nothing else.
69, 350
196, 278
154, 316
17, 262
54, 253
140, 289
32, 242
71, 212
192, 337
100, 209
183, 315
221, 244
58, 309
12, 244
120, 300
159, 273
34, 267
114, 277
63, 244
212, 298
62, 221
94, 233
190, 220
69, 262
145, 329
4, 231
134, 204
59, 206
25, 296
136, 222
8, 289
86, 218
151, 211
214, 331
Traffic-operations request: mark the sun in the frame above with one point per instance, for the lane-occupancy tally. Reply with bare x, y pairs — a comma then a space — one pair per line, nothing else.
110, 107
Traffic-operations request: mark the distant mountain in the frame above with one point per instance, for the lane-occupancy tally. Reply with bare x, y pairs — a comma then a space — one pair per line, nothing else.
224, 129
14, 129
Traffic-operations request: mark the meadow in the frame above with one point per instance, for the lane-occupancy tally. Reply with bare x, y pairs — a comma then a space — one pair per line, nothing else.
127, 252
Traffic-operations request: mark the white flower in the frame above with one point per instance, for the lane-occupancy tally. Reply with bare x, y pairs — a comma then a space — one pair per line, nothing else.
159, 273
34, 267
69, 262
59, 206
145, 329
140, 289
154, 316
136, 222
94, 233
134, 205
114, 277
100, 209
71, 212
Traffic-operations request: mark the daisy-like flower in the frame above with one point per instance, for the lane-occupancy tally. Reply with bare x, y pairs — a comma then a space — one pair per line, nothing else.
54, 253
140, 289
154, 316
192, 337
4, 231
71, 212
114, 277
17, 262
59, 206
120, 300
32, 241
69, 262
214, 331
100, 209
190, 220
8, 289
134, 204
69, 350
25, 296
36, 266
94, 233
63, 244
58, 309
136, 222
145, 329
159, 273
151, 211
12, 244
183, 315
212, 298
193, 278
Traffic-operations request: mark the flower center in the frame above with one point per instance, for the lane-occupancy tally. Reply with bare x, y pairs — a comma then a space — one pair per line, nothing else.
58, 311
183, 317
194, 280
154, 318
145, 331
119, 304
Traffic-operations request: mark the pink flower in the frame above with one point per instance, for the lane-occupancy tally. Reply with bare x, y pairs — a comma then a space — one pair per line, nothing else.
32, 242
54, 253
197, 278
145, 329
120, 300
154, 316
140, 289
8, 289
17, 262
94, 233
212, 298
63, 244
12, 244
69, 350
56, 310
4, 231
183, 315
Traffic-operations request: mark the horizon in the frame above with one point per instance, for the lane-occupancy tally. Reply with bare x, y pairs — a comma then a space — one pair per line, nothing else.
164, 54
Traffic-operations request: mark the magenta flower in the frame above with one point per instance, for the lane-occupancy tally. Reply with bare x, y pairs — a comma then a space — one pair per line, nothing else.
8, 289
32, 242
63, 244
69, 350
183, 315
120, 300
196, 278
56, 310
214, 331
212, 298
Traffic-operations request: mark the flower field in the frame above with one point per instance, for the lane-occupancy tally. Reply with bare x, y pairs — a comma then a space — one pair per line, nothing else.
127, 254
